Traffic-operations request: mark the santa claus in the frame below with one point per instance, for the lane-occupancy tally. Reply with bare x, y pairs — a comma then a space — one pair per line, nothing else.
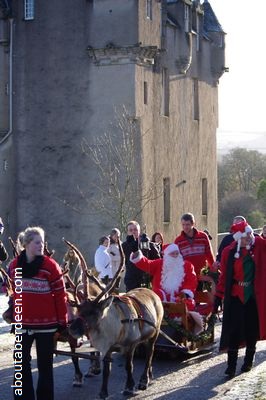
172, 277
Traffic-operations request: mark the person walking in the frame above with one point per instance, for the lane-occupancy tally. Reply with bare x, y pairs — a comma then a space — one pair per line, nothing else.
39, 304
194, 245
102, 260
242, 286
115, 255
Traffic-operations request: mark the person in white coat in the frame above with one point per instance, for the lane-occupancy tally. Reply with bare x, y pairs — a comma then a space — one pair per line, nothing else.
115, 255
102, 260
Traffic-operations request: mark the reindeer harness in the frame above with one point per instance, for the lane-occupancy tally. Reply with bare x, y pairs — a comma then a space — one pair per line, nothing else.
131, 308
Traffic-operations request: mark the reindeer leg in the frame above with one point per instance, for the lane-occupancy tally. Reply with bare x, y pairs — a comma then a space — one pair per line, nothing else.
147, 373
78, 377
130, 384
95, 367
106, 372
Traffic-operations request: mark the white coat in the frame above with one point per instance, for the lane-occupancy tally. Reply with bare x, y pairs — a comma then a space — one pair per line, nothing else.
102, 262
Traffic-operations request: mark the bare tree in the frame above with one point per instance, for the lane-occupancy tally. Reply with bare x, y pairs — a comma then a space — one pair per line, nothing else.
119, 191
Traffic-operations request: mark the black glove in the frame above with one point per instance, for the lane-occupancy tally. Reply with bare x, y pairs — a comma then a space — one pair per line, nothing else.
144, 238
217, 304
61, 328
133, 243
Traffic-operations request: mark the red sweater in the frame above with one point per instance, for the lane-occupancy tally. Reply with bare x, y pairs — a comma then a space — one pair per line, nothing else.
42, 302
198, 251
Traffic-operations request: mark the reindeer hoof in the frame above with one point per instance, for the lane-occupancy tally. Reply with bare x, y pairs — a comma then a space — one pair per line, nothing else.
128, 392
77, 383
143, 386
103, 395
93, 372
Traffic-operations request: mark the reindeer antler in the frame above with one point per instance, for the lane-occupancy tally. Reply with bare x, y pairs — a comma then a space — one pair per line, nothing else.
111, 285
47, 252
95, 280
15, 252
9, 288
83, 266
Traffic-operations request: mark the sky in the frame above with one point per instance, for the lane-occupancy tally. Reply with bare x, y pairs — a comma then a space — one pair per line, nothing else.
242, 91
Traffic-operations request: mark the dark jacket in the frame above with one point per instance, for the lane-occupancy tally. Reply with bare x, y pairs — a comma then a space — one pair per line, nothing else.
134, 277
3, 252
228, 239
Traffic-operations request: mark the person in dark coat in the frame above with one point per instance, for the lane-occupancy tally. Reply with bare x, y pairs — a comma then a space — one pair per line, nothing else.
134, 277
242, 286
157, 238
228, 239
3, 252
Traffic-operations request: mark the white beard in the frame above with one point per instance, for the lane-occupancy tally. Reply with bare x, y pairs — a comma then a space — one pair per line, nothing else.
172, 274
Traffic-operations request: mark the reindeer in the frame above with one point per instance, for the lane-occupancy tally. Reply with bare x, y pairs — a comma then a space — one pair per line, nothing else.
74, 291
120, 323
78, 291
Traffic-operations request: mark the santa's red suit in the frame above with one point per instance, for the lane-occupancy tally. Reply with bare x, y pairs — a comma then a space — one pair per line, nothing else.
171, 276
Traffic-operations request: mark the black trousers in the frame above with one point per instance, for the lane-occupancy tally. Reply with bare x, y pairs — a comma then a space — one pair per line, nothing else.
44, 350
244, 324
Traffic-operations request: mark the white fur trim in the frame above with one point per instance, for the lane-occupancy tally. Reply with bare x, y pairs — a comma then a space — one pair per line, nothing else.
188, 292
170, 248
137, 259
237, 235
248, 229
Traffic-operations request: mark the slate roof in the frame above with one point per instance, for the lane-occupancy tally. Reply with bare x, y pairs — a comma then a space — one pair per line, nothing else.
211, 23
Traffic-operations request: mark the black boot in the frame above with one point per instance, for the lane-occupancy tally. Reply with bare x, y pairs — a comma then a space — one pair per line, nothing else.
248, 360
231, 363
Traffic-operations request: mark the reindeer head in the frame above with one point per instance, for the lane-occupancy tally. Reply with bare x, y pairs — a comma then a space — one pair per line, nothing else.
91, 311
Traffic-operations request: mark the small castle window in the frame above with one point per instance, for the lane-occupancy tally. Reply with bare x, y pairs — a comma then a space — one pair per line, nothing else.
149, 9
204, 196
196, 99
145, 92
165, 92
166, 200
186, 18
28, 10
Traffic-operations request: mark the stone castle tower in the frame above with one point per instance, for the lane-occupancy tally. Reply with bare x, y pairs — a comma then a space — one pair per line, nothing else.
65, 67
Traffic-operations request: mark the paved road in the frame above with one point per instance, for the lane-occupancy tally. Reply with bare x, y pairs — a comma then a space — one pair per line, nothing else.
199, 378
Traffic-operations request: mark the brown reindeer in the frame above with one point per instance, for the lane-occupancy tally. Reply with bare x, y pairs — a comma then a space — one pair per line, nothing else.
77, 292
120, 323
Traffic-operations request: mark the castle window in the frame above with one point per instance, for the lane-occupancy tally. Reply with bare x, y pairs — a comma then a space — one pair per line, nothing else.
149, 9
196, 28
186, 18
204, 197
166, 200
165, 92
28, 10
145, 92
196, 99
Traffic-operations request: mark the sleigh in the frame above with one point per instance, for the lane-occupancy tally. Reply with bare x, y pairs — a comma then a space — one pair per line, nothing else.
180, 336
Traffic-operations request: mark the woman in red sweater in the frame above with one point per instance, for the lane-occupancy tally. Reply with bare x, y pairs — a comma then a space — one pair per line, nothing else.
39, 304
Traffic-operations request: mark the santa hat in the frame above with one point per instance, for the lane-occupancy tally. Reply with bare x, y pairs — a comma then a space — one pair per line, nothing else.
170, 248
240, 230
